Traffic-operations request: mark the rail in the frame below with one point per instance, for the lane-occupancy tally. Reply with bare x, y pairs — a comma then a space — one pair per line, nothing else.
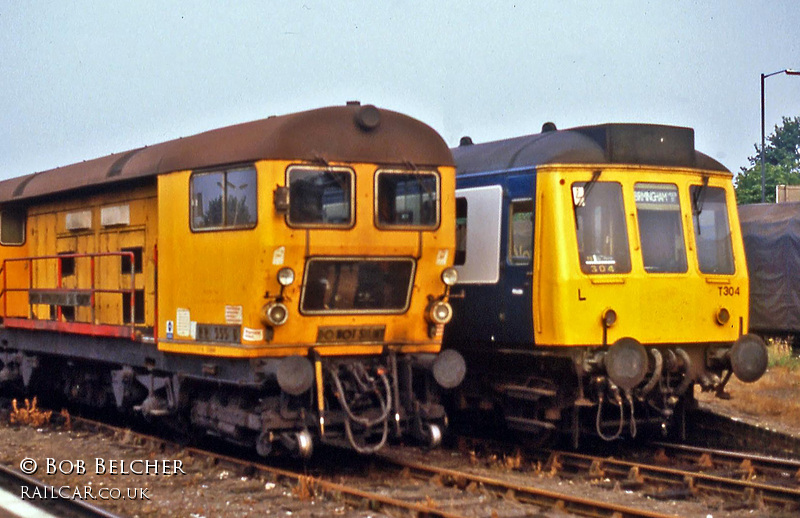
59, 296
401, 499
689, 478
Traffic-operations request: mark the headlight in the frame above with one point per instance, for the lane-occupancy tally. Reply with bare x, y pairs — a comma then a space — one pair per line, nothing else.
450, 276
609, 317
274, 314
723, 316
440, 312
285, 276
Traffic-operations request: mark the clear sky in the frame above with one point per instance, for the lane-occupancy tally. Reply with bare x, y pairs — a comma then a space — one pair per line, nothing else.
79, 80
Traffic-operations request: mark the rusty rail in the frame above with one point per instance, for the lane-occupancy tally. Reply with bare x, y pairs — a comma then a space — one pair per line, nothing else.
692, 480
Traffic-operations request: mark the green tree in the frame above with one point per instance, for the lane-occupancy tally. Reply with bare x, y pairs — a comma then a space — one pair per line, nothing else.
781, 164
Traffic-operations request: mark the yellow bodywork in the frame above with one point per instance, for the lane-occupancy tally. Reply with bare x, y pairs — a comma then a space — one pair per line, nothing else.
226, 277
223, 277
662, 308
47, 235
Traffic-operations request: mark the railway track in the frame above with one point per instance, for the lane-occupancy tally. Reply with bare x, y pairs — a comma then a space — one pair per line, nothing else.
395, 483
748, 465
523, 493
390, 484
692, 470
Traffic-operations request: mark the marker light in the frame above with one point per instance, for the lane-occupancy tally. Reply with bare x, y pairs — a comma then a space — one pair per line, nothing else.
723, 316
285, 276
450, 276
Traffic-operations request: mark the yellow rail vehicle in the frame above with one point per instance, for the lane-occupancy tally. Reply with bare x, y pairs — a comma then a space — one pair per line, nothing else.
604, 277
270, 282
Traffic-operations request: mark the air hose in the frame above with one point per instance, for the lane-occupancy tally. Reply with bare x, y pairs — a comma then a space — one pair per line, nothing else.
385, 404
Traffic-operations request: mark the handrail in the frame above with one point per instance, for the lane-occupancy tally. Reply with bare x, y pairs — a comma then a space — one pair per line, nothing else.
92, 290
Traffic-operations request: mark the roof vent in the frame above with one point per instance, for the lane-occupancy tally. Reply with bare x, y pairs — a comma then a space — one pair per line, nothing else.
547, 127
465, 141
353, 103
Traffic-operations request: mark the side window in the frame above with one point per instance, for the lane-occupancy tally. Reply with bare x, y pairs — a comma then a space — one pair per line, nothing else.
67, 264
125, 263
138, 307
223, 200
712, 231
600, 227
407, 199
320, 197
658, 210
461, 231
482, 207
12, 227
520, 238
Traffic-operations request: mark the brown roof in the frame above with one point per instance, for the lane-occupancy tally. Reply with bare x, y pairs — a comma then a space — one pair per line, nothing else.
351, 133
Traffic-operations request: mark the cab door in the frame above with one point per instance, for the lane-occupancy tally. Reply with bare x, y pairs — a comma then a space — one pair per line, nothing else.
476, 297
516, 281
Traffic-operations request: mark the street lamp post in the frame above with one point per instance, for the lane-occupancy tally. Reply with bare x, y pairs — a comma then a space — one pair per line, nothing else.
788, 72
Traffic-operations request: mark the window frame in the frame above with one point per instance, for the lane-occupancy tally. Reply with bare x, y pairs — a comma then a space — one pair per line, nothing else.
696, 224
24, 218
67, 264
357, 311
510, 258
375, 214
624, 233
333, 226
224, 171
139, 313
138, 260
682, 233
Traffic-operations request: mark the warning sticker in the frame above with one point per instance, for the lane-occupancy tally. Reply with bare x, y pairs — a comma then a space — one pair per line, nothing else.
233, 314
183, 322
278, 255
441, 257
252, 335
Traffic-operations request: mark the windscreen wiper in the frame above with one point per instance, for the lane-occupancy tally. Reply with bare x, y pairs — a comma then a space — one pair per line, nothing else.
699, 197
587, 188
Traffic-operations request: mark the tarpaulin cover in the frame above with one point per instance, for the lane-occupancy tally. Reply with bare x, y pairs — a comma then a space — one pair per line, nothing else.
772, 244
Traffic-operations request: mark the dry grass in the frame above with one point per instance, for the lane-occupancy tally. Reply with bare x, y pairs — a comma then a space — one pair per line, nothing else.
30, 415
305, 489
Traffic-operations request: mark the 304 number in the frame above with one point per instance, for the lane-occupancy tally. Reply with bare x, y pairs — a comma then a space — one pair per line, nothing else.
728, 291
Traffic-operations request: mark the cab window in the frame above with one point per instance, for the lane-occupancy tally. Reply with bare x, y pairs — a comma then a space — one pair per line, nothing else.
600, 227
12, 227
224, 200
712, 231
320, 197
658, 211
407, 199
520, 244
